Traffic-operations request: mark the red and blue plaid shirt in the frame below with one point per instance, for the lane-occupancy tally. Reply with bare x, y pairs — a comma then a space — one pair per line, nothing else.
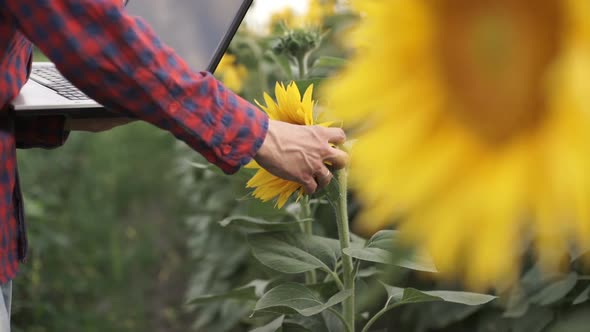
117, 60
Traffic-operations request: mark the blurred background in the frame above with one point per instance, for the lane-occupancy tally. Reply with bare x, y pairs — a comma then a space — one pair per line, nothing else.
124, 225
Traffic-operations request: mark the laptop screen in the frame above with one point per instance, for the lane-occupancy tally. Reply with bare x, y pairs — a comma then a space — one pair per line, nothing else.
195, 29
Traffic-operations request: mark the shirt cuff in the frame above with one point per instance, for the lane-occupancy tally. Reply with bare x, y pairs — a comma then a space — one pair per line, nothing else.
226, 129
46, 132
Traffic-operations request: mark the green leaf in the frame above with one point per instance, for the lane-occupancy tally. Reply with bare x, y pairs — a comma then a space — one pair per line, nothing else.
290, 252
273, 326
357, 241
378, 255
298, 298
281, 62
556, 290
333, 323
382, 248
578, 252
291, 327
518, 303
258, 223
535, 320
583, 297
198, 165
383, 239
304, 324
375, 255
466, 298
250, 292
304, 84
368, 272
411, 295
573, 321
329, 62
408, 295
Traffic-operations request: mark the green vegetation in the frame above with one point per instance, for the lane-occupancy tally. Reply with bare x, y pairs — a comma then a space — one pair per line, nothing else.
106, 235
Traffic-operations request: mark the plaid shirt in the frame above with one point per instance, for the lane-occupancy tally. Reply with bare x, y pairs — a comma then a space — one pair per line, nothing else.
117, 60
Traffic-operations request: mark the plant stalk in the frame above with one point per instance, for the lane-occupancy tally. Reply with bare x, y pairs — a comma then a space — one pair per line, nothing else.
377, 316
310, 276
341, 208
303, 65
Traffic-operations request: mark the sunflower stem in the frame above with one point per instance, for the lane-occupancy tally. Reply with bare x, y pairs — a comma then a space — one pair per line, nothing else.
310, 276
378, 315
341, 209
302, 65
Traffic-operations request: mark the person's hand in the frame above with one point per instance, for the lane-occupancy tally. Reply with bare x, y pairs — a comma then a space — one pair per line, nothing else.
95, 125
300, 153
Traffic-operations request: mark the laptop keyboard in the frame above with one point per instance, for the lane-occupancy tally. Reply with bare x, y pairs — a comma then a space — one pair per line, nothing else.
50, 77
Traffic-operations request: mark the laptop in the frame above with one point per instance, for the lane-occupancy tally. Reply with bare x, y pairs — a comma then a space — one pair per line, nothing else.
199, 31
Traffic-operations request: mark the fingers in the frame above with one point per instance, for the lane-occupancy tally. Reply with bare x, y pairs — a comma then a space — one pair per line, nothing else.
309, 185
336, 158
334, 135
323, 177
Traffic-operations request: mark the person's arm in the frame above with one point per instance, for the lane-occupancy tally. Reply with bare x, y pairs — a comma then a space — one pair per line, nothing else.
117, 60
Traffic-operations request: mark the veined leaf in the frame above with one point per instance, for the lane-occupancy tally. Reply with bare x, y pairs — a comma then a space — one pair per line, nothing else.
377, 255
258, 223
556, 290
400, 296
294, 252
518, 303
384, 239
250, 292
329, 62
574, 321
294, 297
381, 248
272, 326
536, 320
583, 297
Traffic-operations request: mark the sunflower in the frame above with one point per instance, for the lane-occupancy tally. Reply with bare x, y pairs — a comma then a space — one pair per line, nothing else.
286, 17
317, 11
291, 108
232, 74
473, 119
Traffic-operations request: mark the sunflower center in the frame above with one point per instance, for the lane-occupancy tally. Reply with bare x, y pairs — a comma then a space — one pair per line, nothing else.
494, 56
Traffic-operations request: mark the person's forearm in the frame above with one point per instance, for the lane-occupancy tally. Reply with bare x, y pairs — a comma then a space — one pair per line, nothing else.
117, 60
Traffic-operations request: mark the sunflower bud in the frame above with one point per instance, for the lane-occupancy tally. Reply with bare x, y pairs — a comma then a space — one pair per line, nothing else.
297, 43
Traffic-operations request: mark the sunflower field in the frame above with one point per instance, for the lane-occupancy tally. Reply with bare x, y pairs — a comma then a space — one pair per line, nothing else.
464, 208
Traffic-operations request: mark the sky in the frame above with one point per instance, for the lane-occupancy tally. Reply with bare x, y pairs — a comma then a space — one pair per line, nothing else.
262, 10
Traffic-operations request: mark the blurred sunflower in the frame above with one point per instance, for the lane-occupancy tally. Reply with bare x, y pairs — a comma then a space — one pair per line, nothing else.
316, 12
231, 73
292, 108
473, 119
319, 10
286, 17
